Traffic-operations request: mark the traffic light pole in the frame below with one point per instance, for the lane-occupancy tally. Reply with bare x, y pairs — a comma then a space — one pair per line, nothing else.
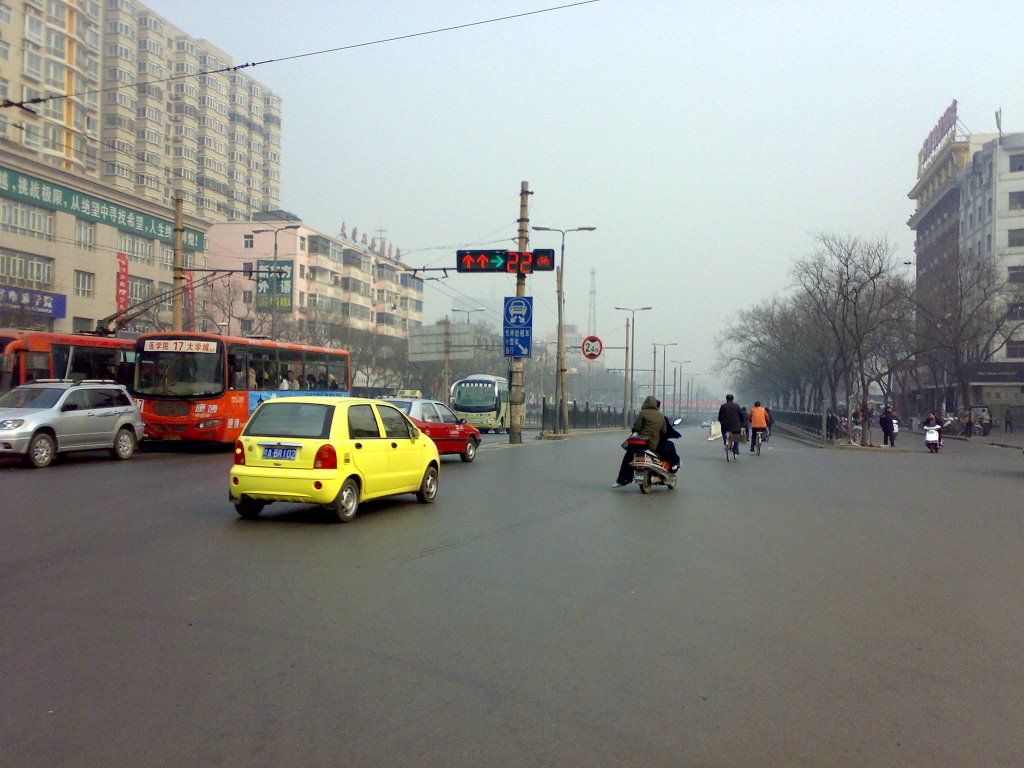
517, 397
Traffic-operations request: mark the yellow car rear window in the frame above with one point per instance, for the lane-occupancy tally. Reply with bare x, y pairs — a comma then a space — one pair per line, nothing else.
280, 418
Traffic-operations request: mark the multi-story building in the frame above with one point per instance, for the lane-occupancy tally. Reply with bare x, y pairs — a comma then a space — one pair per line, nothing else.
52, 49
325, 284
992, 226
88, 178
970, 205
74, 251
211, 134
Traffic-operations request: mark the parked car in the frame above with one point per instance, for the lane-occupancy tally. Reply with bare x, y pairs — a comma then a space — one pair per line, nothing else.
51, 416
450, 433
330, 451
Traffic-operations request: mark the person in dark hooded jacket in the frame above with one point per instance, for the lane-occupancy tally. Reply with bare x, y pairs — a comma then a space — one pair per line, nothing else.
651, 424
730, 416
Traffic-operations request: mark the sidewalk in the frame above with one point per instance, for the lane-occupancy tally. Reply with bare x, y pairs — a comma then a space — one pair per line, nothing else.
998, 438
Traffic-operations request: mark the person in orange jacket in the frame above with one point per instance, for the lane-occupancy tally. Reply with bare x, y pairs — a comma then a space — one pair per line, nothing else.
758, 423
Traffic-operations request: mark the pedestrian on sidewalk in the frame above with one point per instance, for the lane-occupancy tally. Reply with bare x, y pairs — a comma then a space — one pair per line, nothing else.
887, 423
1008, 421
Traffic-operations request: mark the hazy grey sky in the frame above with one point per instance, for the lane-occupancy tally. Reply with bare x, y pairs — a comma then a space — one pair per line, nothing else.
707, 142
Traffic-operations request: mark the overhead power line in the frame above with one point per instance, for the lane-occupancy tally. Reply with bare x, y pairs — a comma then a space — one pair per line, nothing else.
7, 103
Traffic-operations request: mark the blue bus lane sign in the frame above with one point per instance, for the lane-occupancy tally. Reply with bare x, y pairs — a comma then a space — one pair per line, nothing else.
518, 326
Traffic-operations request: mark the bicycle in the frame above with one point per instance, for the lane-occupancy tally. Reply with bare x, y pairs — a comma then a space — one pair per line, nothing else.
732, 445
757, 442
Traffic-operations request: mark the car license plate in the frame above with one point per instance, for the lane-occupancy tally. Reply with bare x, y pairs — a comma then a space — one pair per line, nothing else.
287, 454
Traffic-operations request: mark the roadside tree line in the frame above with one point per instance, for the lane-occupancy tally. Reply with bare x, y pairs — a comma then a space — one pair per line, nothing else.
852, 321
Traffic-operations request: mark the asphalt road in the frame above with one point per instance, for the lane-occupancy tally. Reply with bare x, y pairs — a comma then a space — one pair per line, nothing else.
803, 608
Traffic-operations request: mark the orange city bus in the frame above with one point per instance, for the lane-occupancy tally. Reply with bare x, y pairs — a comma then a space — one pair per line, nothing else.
32, 355
204, 386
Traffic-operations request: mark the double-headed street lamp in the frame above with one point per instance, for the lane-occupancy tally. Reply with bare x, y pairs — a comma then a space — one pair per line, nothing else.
562, 382
274, 277
469, 312
632, 353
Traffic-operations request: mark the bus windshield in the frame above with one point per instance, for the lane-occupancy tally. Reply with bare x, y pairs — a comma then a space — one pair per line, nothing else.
477, 396
180, 374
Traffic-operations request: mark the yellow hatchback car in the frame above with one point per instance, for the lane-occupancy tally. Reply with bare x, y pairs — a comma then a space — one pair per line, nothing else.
333, 451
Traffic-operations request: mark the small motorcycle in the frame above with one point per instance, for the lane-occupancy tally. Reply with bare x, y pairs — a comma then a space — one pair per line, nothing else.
649, 469
931, 439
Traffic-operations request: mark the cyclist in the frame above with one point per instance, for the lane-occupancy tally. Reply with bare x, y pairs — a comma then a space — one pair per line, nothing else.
730, 416
758, 423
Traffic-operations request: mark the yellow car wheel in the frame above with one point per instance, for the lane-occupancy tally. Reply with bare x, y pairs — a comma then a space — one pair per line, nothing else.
347, 501
428, 486
248, 508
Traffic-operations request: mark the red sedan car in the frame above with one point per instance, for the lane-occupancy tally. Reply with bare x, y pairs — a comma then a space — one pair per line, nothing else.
436, 420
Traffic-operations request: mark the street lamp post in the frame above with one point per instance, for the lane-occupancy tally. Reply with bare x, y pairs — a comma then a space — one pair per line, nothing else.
681, 374
562, 383
273, 309
632, 346
469, 312
654, 378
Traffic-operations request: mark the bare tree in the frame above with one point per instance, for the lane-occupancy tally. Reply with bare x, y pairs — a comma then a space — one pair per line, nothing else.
970, 318
848, 284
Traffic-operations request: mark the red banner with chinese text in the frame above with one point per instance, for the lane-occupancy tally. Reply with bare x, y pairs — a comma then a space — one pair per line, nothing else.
122, 282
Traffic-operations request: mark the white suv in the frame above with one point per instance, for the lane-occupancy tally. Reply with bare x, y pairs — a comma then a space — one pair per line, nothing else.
51, 416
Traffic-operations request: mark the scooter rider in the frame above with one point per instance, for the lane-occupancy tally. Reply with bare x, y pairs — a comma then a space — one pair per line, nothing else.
933, 421
667, 449
651, 424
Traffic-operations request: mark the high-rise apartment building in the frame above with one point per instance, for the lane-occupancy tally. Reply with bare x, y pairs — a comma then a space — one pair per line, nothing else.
215, 137
88, 178
212, 134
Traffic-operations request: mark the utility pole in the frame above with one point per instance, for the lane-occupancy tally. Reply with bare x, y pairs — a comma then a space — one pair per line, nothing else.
626, 368
517, 397
178, 301
447, 360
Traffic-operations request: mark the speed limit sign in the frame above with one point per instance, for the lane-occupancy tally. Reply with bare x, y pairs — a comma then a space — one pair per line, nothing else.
592, 347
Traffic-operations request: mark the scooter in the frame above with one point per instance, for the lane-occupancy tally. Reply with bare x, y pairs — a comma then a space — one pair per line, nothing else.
931, 439
649, 469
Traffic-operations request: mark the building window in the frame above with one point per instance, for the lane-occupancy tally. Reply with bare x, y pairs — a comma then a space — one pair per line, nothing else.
139, 289
25, 269
1016, 238
1015, 274
25, 219
85, 234
1016, 312
1016, 163
1016, 201
82, 324
1015, 349
139, 249
247, 297
247, 241
84, 283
